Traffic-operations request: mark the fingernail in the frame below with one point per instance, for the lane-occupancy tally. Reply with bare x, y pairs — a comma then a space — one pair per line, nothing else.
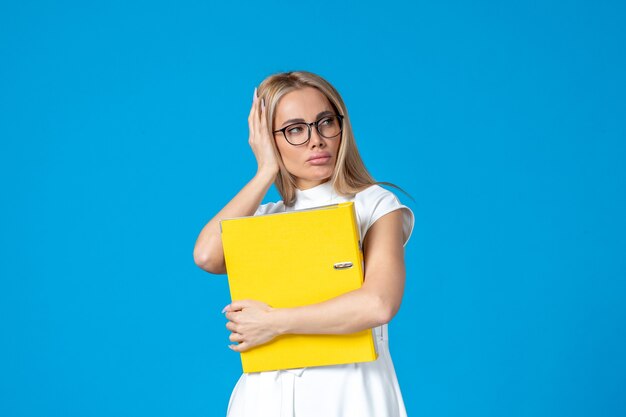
254, 95
224, 309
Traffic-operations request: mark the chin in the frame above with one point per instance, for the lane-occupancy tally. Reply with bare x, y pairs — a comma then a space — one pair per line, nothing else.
317, 173
319, 176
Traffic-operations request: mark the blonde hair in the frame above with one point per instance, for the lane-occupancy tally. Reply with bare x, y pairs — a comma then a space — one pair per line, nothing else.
350, 175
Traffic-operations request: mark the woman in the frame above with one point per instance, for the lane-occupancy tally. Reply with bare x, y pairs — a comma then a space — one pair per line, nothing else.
302, 139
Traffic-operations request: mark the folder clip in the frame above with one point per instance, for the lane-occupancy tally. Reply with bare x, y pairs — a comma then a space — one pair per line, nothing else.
343, 265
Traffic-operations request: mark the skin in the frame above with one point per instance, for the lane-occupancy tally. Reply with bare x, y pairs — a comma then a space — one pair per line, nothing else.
307, 104
253, 322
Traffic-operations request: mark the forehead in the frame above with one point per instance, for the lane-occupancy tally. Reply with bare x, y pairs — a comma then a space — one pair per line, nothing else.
303, 103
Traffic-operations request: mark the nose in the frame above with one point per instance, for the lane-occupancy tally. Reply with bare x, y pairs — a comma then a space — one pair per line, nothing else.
316, 139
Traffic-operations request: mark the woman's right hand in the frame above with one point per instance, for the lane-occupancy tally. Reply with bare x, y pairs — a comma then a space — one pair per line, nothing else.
260, 139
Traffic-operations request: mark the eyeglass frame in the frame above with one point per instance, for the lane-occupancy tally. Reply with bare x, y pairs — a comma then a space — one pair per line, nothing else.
339, 116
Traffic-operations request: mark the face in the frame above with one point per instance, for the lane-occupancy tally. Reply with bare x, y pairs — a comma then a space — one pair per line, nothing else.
313, 162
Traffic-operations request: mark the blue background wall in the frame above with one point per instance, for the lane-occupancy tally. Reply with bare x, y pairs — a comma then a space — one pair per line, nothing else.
123, 129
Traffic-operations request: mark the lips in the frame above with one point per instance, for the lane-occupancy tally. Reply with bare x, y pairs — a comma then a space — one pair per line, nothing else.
319, 158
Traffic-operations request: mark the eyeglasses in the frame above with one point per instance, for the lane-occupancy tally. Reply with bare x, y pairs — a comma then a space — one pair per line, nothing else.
299, 133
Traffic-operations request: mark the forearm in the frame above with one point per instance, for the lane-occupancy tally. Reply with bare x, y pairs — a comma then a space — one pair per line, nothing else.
348, 313
208, 251
253, 322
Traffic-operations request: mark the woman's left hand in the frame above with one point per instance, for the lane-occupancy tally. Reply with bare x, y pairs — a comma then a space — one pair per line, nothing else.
249, 322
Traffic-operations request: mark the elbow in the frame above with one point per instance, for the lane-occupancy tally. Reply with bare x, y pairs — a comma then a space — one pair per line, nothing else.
207, 263
385, 311
385, 315
199, 257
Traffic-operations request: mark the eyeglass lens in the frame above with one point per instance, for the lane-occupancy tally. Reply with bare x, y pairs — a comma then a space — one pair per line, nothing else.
327, 127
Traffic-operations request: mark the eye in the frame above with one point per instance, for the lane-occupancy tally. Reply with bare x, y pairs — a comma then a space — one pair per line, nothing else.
294, 130
327, 121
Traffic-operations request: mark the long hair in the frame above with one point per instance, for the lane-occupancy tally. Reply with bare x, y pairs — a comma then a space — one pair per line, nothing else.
350, 174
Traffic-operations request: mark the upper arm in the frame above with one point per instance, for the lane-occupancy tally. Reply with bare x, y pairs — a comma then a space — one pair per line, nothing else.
383, 252
216, 264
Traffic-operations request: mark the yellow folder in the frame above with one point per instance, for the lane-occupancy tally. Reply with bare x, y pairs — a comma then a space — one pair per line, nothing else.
293, 259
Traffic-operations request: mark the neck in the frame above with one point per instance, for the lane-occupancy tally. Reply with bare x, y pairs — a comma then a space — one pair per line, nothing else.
306, 184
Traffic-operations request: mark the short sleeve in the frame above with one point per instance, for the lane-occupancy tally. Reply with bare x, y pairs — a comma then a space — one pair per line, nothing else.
270, 208
374, 202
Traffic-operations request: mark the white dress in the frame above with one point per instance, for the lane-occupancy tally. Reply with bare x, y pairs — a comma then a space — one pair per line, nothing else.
366, 389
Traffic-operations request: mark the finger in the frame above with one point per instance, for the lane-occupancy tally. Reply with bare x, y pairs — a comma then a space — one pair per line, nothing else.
232, 316
239, 305
231, 326
263, 116
235, 337
256, 117
254, 105
251, 115
261, 109
240, 347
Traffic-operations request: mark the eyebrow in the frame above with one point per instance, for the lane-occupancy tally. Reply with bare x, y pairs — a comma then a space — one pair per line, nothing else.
321, 114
